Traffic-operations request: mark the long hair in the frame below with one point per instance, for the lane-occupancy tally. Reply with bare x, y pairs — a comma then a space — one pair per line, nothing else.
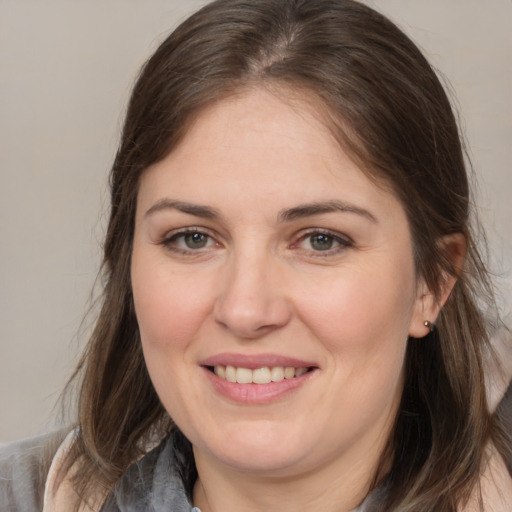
388, 110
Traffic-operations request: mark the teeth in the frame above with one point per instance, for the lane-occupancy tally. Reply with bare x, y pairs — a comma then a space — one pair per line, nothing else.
289, 372
243, 375
277, 374
220, 371
300, 371
263, 375
231, 373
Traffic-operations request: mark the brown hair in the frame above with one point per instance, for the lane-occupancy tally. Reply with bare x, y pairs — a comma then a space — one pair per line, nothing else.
387, 107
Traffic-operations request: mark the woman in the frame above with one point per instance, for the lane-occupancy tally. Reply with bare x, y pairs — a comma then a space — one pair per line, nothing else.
290, 315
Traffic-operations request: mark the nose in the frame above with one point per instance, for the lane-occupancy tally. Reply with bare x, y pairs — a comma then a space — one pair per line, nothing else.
251, 302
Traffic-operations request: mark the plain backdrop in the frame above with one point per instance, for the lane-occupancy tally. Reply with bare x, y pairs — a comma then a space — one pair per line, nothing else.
66, 68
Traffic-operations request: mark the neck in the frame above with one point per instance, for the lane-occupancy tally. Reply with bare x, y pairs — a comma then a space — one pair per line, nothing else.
330, 488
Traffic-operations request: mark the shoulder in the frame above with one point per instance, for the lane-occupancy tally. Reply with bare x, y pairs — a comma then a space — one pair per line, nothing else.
24, 466
155, 482
495, 484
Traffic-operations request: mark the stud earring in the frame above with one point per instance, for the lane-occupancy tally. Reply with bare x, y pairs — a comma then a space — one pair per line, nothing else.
429, 325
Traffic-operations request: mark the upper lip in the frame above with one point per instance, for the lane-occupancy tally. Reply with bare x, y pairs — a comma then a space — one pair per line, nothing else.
253, 361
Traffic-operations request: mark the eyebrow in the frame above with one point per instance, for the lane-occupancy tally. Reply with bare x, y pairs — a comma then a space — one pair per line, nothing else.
287, 215
310, 209
192, 209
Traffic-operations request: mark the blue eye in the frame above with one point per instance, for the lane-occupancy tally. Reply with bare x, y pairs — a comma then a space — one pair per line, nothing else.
190, 240
321, 242
195, 240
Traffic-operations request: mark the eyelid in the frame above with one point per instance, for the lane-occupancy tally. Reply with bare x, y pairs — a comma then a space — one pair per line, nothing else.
168, 238
343, 240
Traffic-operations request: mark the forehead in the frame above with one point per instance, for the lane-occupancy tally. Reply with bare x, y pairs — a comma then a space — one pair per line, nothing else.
256, 145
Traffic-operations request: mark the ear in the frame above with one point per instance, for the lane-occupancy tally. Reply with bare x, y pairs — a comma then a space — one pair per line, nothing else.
427, 304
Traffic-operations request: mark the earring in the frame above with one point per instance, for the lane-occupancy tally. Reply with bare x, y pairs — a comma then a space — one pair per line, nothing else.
429, 325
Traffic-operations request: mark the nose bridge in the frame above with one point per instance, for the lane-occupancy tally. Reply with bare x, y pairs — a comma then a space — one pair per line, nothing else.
251, 300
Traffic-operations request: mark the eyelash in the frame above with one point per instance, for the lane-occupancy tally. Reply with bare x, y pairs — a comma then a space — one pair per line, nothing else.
169, 242
342, 242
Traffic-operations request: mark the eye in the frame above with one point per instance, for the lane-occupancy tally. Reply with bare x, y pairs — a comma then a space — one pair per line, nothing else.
195, 240
189, 240
322, 241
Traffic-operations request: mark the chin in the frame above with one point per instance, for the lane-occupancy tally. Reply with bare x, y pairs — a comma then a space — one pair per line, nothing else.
258, 449
270, 461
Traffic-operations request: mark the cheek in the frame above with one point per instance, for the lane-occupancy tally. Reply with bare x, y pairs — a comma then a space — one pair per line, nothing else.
170, 310
363, 324
363, 313
170, 307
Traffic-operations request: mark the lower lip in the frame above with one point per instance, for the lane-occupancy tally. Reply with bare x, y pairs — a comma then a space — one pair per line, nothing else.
256, 393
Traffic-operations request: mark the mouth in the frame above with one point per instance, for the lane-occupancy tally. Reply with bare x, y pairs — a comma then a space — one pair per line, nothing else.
263, 375
257, 379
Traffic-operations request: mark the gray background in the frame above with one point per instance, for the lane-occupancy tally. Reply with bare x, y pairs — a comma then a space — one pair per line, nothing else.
66, 68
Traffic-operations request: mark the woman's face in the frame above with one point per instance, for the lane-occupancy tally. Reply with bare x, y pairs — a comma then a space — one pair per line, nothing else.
275, 291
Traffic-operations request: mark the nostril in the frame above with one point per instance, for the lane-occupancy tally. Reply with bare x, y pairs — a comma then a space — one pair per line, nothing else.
251, 310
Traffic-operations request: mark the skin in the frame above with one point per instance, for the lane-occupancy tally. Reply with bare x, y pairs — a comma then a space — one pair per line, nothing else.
261, 285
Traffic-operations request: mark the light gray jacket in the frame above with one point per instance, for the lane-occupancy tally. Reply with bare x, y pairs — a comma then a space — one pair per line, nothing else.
152, 484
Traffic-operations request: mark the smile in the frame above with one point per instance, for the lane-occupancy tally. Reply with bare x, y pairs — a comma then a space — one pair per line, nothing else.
257, 378
264, 375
